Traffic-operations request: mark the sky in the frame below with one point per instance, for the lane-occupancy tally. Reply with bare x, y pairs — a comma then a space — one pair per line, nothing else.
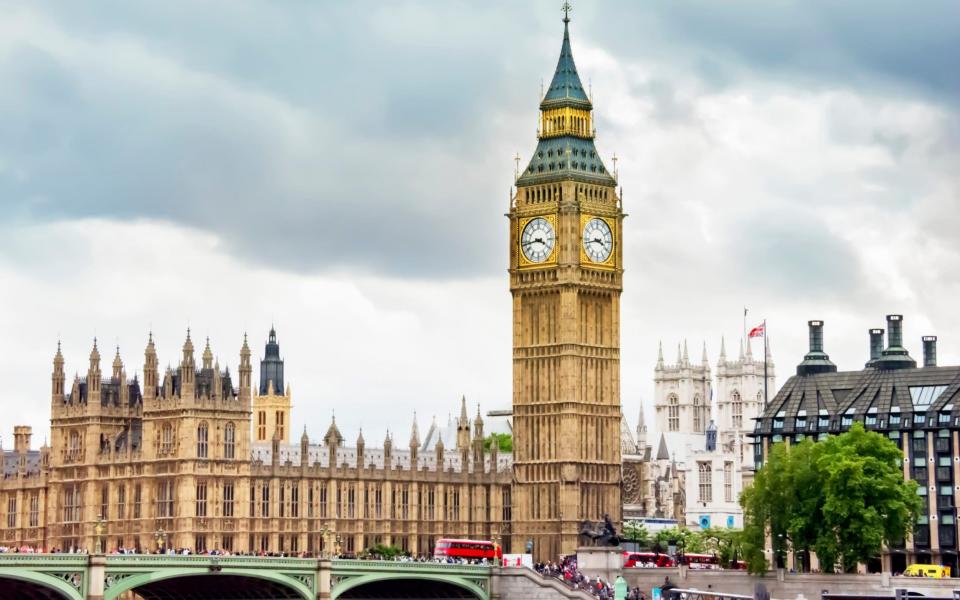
342, 170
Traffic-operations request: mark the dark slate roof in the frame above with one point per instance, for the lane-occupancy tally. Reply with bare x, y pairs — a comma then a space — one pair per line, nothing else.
855, 393
551, 161
110, 392
566, 85
11, 460
271, 367
203, 384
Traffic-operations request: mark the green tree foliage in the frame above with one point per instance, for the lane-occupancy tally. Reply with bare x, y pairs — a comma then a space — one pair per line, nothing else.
504, 442
843, 498
722, 541
381, 551
636, 532
686, 540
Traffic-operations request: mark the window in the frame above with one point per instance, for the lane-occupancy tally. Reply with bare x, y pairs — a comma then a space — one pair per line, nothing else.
673, 413
280, 424
265, 500
323, 501
74, 443
71, 503
166, 438
229, 441
823, 419
801, 420
847, 419
377, 501
105, 502
201, 545
310, 511
430, 504
925, 395
165, 498
202, 499
227, 543
736, 409
871, 418
706, 484
261, 426
728, 481
228, 499
778, 420
11, 512
351, 500
281, 504
295, 500
202, 433
121, 501
697, 417
137, 497
34, 510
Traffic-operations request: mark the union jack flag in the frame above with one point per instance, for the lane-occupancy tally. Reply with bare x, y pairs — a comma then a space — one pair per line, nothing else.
758, 331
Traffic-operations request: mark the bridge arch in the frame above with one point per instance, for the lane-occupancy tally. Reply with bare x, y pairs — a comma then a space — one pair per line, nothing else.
469, 588
159, 583
40, 585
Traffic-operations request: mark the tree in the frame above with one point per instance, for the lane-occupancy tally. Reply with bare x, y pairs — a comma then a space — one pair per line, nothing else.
504, 442
686, 539
635, 531
844, 498
722, 541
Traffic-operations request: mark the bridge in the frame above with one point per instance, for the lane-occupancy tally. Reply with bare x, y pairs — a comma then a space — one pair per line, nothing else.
196, 577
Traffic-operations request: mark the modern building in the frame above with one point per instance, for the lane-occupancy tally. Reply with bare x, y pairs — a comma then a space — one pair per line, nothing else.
915, 406
173, 462
566, 277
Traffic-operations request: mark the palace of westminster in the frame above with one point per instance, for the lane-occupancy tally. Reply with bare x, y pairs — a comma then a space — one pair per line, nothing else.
199, 457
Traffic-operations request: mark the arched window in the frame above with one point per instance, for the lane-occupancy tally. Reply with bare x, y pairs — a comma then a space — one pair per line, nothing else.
261, 426
673, 413
706, 482
74, 443
202, 436
229, 441
166, 438
697, 414
736, 406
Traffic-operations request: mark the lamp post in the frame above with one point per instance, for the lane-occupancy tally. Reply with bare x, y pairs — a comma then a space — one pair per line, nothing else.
98, 530
781, 559
326, 532
160, 536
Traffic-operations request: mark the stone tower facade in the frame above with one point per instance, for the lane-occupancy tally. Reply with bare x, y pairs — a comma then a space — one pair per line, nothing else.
566, 280
682, 393
271, 405
740, 395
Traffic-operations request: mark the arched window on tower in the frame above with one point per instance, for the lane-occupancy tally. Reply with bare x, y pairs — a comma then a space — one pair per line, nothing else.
166, 438
202, 438
697, 414
673, 413
261, 426
229, 441
736, 406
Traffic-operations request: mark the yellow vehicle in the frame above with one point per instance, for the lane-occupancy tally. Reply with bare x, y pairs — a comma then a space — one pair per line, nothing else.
934, 571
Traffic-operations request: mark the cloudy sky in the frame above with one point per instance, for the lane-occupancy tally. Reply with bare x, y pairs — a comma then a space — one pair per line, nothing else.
342, 170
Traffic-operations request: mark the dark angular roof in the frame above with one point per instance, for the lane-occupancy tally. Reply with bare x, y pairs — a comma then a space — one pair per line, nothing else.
110, 392
203, 384
877, 391
566, 84
11, 461
271, 367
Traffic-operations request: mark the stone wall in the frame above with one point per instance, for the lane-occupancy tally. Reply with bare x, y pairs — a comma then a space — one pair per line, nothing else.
788, 585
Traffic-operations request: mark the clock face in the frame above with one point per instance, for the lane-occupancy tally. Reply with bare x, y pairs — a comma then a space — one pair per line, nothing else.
537, 240
597, 240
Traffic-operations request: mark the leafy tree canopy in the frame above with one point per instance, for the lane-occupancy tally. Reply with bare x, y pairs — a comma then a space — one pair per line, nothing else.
504, 442
843, 498
635, 531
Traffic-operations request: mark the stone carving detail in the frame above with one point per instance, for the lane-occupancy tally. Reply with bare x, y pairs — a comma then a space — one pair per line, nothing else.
110, 580
631, 483
73, 578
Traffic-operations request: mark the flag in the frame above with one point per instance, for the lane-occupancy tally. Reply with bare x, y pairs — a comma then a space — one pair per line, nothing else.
758, 331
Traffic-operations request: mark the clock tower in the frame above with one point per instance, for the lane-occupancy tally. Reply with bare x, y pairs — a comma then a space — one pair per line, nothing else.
566, 276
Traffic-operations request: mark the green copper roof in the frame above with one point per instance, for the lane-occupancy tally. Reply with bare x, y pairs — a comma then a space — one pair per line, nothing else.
566, 83
565, 157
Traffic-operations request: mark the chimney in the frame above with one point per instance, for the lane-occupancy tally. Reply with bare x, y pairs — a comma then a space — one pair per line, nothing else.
876, 346
929, 350
895, 356
816, 360
21, 438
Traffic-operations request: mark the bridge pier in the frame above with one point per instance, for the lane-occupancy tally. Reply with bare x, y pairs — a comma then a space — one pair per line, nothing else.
324, 569
96, 574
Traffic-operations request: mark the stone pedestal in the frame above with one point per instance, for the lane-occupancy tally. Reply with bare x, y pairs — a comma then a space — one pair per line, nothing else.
607, 562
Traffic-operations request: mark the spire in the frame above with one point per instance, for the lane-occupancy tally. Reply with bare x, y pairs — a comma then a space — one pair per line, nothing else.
679, 355
188, 346
566, 83
415, 432
117, 365
58, 358
271, 367
660, 355
94, 355
207, 356
686, 355
723, 350
478, 421
464, 419
333, 436
304, 439
642, 422
704, 358
741, 349
360, 441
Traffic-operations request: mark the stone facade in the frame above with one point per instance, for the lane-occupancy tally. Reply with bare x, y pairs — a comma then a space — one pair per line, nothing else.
171, 462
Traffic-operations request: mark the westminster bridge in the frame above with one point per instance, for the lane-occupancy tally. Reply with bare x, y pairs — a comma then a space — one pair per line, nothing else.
202, 577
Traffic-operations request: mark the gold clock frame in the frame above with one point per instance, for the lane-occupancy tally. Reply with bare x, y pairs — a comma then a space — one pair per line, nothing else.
585, 260
525, 263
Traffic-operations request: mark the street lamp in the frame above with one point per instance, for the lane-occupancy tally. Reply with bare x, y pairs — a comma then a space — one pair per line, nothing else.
98, 530
326, 532
160, 536
780, 552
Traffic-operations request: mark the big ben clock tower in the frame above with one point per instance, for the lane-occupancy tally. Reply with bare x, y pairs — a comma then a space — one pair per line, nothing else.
566, 276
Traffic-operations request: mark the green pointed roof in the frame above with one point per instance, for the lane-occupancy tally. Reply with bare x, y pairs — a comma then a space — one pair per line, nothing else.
566, 84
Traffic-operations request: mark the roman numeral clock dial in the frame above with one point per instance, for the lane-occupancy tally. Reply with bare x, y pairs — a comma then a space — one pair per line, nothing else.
597, 240
537, 240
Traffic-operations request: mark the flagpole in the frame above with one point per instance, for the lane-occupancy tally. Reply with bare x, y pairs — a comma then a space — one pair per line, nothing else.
766, 400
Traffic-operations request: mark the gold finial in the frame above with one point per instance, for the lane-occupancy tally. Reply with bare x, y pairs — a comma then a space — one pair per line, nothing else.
566, 11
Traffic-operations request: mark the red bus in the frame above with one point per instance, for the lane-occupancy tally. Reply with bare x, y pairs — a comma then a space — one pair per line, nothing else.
468, 549
701, 561
646, 559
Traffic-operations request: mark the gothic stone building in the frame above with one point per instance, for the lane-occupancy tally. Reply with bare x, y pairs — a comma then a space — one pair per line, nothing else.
917, 407
173, 461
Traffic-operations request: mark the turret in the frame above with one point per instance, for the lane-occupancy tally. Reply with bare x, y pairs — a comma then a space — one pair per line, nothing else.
478, 441
151, 373
660, 356
816, 360
216, 391
58, 378
361, 447
93, 376
304, 446
188, 369
117, 367
439, 454
333, 440
207, 356
414, 443
275, 449
245, 370
271, 367
895, 356
387, 451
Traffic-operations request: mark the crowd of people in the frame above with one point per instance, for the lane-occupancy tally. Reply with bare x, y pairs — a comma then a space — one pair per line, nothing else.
567, 572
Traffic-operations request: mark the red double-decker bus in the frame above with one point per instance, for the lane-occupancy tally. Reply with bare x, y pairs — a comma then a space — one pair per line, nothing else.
701, 561
646, 559
467, 549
